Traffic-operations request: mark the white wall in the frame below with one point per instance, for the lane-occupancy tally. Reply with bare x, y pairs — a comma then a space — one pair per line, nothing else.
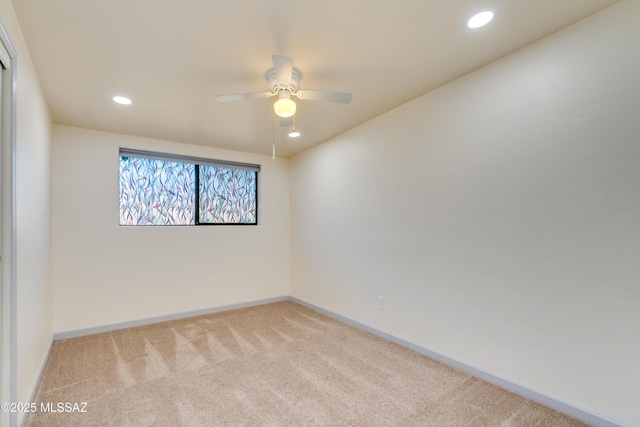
499, 216
33, 225
104, 273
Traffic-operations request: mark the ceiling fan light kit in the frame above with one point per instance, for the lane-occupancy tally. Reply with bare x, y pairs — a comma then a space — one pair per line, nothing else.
284, 107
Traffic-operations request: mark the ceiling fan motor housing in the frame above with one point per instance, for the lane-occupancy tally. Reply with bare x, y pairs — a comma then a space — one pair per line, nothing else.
277, 87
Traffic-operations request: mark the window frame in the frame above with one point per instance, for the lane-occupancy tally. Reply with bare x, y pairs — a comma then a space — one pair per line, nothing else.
197, 162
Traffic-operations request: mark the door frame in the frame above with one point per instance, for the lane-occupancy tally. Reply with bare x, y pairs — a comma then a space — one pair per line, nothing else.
8, 289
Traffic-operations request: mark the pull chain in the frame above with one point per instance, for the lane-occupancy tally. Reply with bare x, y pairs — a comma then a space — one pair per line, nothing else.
273, 138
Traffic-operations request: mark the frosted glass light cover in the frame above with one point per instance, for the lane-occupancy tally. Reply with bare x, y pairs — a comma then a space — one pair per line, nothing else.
284, 107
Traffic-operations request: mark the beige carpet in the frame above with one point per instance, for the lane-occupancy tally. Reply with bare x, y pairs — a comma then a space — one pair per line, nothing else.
273, 365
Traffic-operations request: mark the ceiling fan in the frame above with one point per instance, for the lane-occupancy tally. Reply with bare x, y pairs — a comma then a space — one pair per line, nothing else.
283, 80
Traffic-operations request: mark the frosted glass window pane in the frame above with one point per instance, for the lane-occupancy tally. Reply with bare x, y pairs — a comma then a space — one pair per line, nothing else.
227, 195
156, 192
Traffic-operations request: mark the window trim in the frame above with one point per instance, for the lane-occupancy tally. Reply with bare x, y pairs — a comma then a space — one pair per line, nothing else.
126, 152
197, 162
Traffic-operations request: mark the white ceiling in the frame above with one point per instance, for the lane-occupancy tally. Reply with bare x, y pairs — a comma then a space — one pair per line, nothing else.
173, 57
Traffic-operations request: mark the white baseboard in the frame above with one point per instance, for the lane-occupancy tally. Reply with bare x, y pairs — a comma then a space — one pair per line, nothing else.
523, 390
74, 333
31, 396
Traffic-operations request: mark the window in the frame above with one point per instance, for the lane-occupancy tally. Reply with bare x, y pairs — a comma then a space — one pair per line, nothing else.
160, 189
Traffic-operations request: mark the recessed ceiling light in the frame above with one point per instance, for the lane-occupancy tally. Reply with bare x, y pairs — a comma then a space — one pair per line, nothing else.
481, 19
122, 100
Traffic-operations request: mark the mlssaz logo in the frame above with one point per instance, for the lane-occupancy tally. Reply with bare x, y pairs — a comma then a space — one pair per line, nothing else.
63, 407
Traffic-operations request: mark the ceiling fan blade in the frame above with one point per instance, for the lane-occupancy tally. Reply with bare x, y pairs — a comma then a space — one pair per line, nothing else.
241, 96
283, 69
321, 95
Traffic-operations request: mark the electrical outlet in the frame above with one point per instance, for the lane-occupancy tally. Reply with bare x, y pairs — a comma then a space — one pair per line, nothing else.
380, 303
